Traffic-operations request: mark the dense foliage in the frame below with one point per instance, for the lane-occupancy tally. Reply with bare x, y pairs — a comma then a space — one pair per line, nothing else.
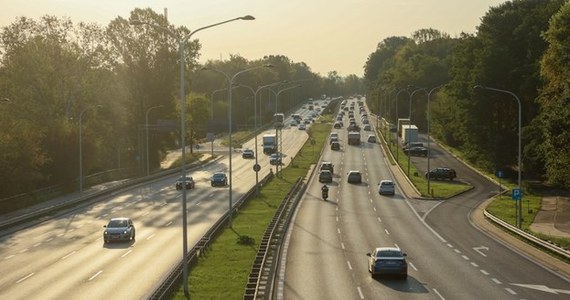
55, 74
521, 47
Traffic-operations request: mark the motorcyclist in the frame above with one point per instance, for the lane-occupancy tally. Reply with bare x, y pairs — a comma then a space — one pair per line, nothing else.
325, 190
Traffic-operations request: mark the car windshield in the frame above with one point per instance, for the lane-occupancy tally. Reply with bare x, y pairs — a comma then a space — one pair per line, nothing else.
117, 224
184, 178
387, 183
219, 175
389, 253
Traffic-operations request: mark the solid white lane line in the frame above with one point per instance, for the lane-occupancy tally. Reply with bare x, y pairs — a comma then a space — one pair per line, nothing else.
127, 253
349, 265
25, 277
68, 255
96, 274
497, 281
474, 264
386, 230
360, 292
150, 237
484, 272
413, 267
438, 294
510, 291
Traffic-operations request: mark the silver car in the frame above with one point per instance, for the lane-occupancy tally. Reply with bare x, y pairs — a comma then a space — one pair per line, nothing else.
119, 229
386, 187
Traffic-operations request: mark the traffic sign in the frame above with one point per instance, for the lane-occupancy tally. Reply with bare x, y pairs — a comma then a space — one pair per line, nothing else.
500, 174
517, 194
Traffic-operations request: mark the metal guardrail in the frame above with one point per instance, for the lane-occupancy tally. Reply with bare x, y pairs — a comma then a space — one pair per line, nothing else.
261, 278
173, 280
529, 237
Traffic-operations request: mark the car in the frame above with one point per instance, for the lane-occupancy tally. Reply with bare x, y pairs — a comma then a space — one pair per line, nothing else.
413, 144
386, 187
294, 123
325, 176
307, 121
302, 127
275, 159
187, 181
333, 139
371, 138
337, 125
441, 173
354, 176
387, 261
335, 146
365, 121
247, 153
327, 165
119, 229
219, 179
416, 151
367, 127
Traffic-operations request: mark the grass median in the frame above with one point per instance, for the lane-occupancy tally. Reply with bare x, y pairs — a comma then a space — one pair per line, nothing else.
222, 271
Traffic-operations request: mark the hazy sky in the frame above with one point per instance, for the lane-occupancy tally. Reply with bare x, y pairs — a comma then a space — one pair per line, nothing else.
328, 35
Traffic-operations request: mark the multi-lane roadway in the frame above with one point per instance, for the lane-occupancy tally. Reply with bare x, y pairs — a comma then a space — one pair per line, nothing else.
65, 257
448, 258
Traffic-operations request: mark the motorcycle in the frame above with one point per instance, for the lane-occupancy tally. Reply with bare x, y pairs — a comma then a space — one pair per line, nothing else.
325, 193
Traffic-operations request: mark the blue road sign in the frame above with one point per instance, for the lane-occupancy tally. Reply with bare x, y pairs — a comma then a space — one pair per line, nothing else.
500, 174
517, 194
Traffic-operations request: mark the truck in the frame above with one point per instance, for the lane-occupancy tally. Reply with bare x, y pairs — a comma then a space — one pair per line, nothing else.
402, 122
409, 134
269, 143
354, 138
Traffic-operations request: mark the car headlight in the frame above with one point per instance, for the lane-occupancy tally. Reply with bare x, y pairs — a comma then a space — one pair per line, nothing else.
105, 232
124, 232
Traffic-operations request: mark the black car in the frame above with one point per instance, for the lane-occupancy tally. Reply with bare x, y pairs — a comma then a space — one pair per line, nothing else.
187, 181
219, 178
335, 146
327, 165
441, 173
326, 176
416, 151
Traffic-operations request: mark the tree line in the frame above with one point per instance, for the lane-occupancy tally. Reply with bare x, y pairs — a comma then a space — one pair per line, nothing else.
59, 80
520, 46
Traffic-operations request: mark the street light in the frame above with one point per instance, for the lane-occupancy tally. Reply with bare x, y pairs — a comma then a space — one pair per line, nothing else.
81, 147
181, 46
230, 88
410, 118
255, 92
519, 201
397, 124
280, 149
428, 137
146, 126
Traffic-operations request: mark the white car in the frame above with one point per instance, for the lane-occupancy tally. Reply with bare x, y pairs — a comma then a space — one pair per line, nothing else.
386, 187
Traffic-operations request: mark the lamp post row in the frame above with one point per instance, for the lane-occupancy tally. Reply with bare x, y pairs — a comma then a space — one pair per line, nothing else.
181, 47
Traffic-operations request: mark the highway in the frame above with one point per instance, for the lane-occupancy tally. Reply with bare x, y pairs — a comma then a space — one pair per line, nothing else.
65, 258
448, 258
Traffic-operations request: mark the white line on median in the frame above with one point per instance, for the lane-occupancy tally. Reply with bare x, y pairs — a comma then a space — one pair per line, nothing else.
127, 253
437, 293
68, 255
413, 267
25, 277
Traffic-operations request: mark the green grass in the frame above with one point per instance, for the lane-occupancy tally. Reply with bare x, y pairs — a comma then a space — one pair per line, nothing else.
222, 271
439, 189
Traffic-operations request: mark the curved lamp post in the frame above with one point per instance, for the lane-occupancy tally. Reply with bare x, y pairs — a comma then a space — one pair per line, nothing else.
428, 136
146, 126
280, 149
181, 46
81, 147
255, 92
230, 84
519, 201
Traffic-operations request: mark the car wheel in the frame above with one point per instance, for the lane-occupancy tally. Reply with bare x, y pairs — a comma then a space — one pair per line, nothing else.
212, 184
133, 236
